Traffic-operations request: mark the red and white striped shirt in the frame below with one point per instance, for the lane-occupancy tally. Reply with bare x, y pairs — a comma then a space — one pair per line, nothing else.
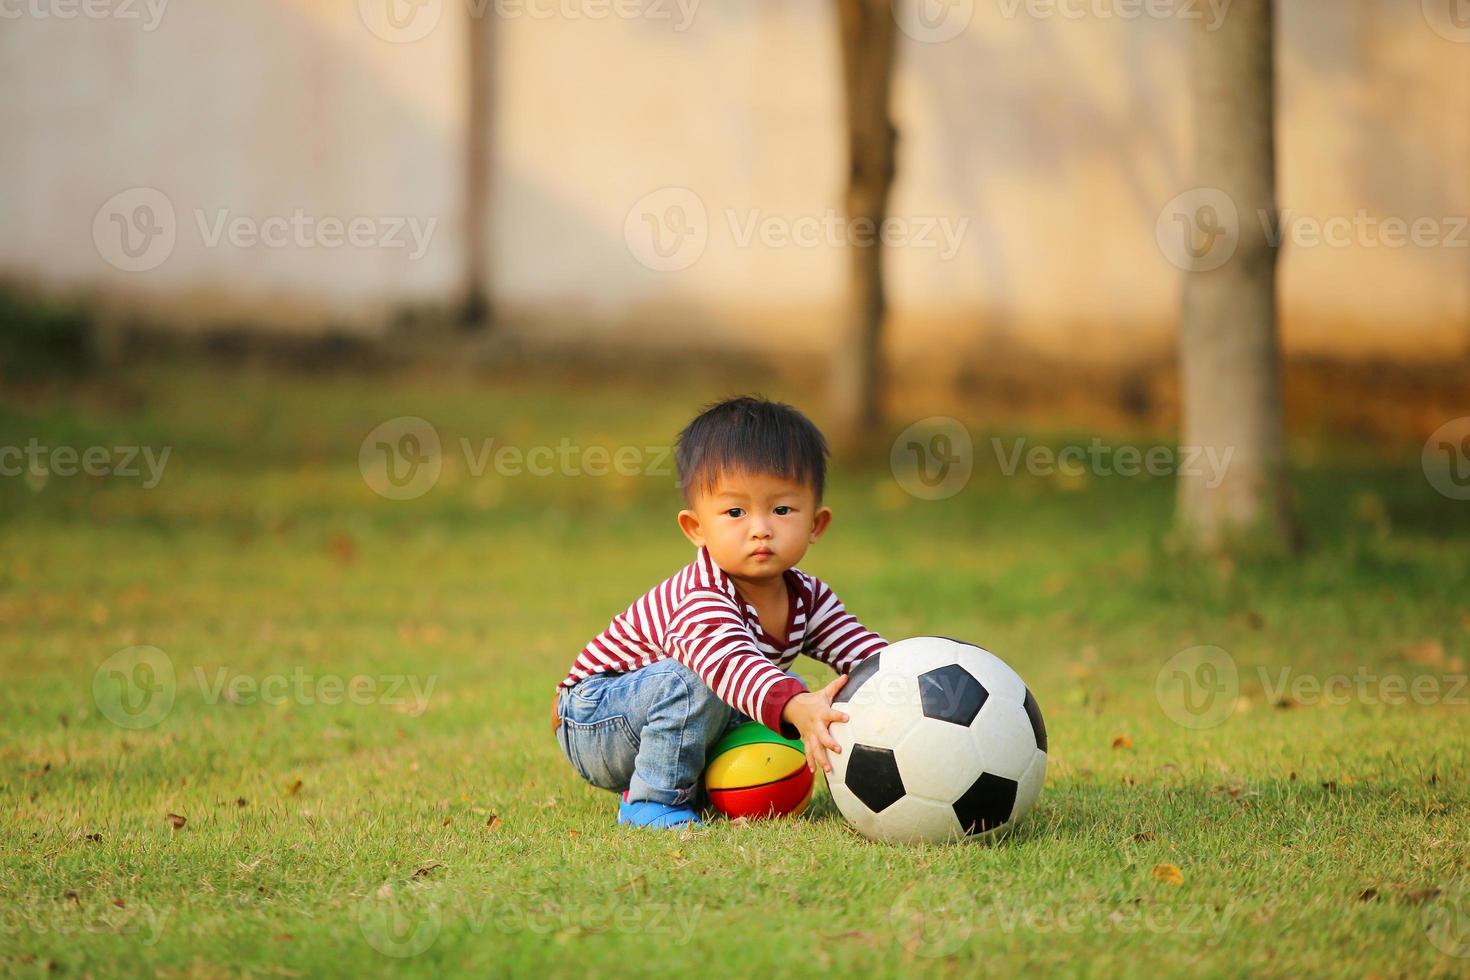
698, 618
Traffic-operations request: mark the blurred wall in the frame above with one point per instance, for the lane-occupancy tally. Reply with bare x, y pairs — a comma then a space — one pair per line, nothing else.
670, 169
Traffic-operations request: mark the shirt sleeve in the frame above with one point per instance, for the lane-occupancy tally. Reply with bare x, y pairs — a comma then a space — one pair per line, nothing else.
834, 635
707, 634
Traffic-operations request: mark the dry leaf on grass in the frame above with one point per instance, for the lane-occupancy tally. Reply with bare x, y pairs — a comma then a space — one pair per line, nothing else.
1122, 742
294, 788
1169, 874
425, 870
494, 822
177, 822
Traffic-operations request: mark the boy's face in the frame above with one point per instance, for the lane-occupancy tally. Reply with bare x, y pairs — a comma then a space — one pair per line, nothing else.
755, 525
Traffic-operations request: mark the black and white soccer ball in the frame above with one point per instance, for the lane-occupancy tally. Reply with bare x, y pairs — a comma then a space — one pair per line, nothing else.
943, 741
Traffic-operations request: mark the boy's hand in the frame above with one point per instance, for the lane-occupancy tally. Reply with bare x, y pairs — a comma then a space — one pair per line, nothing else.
811, 712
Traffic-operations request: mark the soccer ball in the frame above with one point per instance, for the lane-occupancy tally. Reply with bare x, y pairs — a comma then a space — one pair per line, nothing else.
943, 741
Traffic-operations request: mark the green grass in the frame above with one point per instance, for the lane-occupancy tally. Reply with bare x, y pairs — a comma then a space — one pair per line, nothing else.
1310, 838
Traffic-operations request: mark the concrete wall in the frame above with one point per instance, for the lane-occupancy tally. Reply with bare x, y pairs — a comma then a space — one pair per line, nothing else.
1046, 138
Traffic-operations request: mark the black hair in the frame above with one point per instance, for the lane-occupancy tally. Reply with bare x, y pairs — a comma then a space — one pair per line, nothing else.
752, 435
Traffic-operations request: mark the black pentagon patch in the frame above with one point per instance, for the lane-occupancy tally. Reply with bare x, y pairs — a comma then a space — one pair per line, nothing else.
951, 693
872, 775
987, 804
1038, 726
856, 677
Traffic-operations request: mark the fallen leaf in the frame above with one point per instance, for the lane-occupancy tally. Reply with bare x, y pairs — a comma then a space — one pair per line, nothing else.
1122, 742
1421, 895
240, 801
577, 833
119, 903
73, 896
1169, 874
494, 822
1367, 894
294, 788
342, 548
177, 822
1143, 837
94, 838
446, 822
1285, 703
1429, 653
425, 870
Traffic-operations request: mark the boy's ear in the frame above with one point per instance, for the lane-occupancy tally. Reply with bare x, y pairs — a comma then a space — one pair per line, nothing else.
689, 524
820, 522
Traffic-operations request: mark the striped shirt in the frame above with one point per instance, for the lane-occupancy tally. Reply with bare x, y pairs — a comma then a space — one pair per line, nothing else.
698, 618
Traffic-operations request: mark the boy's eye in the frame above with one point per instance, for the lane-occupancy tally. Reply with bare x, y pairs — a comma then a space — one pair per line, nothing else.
736, 512
783, 510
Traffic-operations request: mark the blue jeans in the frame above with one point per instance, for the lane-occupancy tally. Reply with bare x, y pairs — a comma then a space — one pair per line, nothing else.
646, 731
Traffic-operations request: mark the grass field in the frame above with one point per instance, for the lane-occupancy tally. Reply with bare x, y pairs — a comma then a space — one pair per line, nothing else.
347, 708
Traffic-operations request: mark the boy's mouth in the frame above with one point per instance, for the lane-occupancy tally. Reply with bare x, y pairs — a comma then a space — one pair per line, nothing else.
762, 553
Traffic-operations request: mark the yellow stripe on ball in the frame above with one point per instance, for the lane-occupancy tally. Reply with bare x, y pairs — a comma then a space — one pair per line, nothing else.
752, 765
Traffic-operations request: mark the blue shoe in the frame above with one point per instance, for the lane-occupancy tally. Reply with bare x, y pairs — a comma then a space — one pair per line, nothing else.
647, 813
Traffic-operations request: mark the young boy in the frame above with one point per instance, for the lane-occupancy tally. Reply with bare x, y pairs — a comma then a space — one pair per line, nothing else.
709, 648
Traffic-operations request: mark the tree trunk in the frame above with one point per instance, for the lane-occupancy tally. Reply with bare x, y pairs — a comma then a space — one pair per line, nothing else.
868, 36
475, 302
1230, 360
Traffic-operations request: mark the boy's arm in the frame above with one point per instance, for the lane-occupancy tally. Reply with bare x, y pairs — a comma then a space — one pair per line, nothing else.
708, 635
834, 636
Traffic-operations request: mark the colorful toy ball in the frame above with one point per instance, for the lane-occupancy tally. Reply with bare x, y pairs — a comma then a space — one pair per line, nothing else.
753, 772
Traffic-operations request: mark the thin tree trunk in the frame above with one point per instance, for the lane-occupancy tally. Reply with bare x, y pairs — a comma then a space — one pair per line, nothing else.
475, 303
868, 36
1229, 351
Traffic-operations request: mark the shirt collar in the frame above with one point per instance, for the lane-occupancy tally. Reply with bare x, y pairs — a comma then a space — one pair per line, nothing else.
708, 573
